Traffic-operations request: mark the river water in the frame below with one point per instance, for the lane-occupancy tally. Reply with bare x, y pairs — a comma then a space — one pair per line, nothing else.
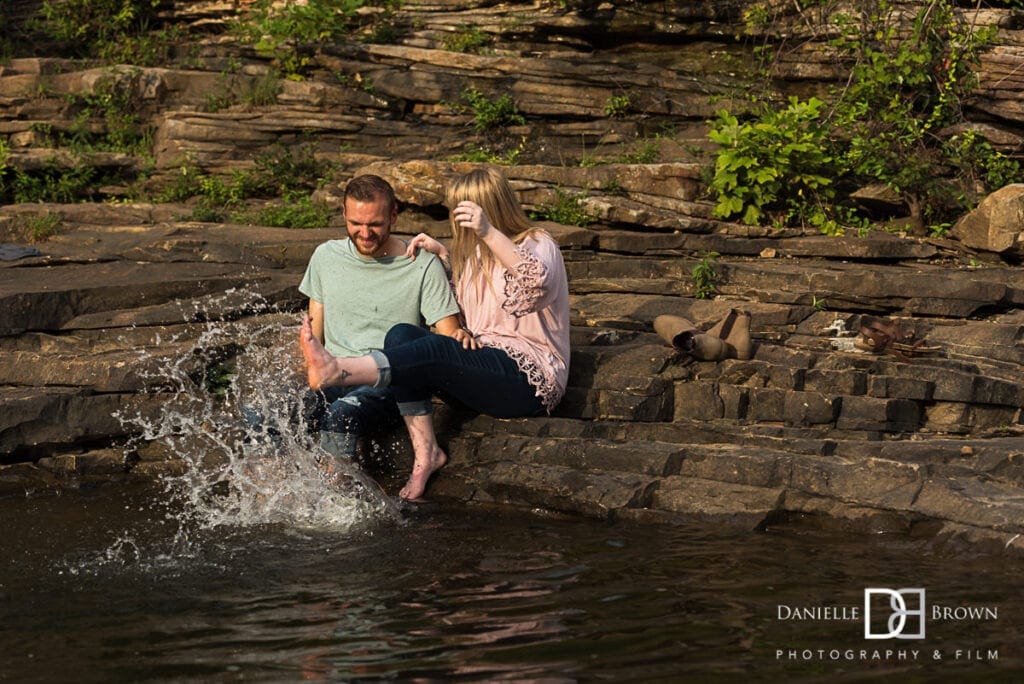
95, 586
248, 566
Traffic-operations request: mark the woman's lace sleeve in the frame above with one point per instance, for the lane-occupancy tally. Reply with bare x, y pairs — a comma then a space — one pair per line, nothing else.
525, 284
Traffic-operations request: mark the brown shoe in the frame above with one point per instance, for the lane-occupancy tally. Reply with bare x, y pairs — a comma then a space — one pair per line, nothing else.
735, 330
688, 339
673, 329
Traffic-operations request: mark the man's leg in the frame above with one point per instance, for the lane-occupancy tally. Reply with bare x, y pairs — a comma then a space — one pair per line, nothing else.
351, 416
325, 370
428, 454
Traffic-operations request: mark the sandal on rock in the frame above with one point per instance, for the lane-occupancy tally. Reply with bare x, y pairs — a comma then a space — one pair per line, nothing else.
878, 335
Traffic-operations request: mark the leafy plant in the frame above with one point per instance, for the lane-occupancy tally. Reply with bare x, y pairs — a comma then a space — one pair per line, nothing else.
704, 275
466, 38
42, 226
263, 90
641, 151
775, 163
4, 167
90, 28
296, 212
281, 172
52, 184
488, 113
286, 32
617, 105
484, 154
113, 102
569, 209
887, 124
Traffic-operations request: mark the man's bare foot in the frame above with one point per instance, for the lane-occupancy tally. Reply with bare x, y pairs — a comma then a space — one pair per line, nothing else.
421, 472
319, 362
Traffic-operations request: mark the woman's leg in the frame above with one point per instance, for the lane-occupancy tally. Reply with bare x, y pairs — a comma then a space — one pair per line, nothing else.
487, 380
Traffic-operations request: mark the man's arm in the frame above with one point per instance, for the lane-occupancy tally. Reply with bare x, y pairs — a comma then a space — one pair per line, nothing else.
450, 326
316, 317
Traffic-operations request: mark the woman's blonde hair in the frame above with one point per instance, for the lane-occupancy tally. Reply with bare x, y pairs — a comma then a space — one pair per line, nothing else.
487, 187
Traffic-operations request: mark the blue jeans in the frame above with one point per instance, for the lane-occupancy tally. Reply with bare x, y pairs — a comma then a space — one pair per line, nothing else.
486, 380
344, 414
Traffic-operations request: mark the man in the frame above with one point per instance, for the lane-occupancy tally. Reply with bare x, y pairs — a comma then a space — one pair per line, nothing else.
358, 289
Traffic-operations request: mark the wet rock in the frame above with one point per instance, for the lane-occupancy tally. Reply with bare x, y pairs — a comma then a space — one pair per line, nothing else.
735, 504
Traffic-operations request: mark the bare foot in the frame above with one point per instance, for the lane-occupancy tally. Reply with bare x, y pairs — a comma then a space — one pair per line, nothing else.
319, 362
421, 472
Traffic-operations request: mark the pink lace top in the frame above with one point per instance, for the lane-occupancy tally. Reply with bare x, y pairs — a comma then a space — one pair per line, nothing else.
525, 313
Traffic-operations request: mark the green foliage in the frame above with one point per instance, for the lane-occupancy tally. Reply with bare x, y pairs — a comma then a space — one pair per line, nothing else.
569, 209
489, 114
53, 184
105, 120
643, 151
469, 39
97, 28
287, 32
42, 226
282, 172
262, 91
888, 124
617, 105
776, 163
704, 275
483, 154
296, 212
4, 167
383, 29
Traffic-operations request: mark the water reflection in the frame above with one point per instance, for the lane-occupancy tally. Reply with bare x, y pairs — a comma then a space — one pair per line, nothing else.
470, 595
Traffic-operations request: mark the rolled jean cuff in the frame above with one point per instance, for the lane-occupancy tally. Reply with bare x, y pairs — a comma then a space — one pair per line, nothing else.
415, 408
383, 368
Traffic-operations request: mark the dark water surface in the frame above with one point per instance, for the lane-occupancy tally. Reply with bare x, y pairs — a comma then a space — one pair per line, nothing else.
102, 586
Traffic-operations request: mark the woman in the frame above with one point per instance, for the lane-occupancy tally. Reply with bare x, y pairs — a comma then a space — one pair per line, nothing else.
511, 357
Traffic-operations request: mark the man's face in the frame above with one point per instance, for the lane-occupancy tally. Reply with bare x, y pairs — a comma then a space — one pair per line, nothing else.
369, 225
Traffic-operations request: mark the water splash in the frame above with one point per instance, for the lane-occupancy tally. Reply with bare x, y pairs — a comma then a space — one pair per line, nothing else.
232, 411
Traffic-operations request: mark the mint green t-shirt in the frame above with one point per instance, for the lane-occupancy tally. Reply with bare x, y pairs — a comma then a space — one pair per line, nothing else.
364, 298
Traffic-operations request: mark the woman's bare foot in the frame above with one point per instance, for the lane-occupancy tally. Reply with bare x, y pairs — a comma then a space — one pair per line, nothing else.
421, 472
319, 362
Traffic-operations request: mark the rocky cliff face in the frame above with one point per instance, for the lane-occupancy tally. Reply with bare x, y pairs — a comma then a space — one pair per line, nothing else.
614, 100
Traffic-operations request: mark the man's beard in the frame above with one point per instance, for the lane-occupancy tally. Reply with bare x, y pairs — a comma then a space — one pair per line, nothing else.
371, 247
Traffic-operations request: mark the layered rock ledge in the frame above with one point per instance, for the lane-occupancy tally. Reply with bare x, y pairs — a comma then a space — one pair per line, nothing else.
809, 428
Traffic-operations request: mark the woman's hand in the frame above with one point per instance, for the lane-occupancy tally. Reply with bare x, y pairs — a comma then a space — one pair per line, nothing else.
427, 244
470, 215
466, 338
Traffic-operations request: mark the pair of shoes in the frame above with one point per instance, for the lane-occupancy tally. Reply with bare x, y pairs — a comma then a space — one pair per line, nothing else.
878, 335
727, 339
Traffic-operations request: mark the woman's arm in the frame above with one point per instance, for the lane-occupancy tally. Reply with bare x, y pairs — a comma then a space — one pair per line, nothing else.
451, 327
470, 215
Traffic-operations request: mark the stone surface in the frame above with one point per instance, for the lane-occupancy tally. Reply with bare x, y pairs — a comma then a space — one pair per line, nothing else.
995, 224
809, 429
